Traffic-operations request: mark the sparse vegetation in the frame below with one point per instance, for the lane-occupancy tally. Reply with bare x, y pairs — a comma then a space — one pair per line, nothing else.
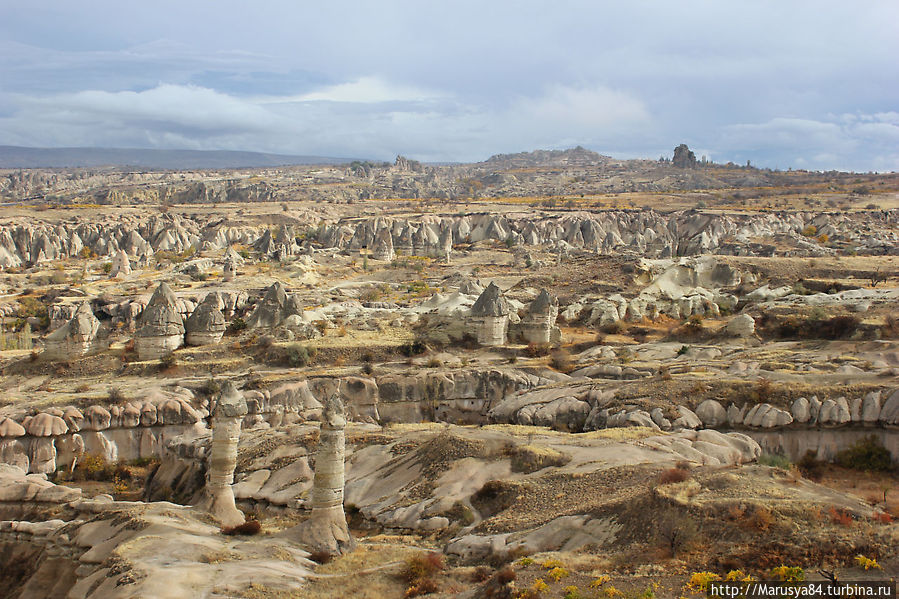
868, 455
297, 355
419, 572
676, 532
677, 474
775, 461
235, 326
560, 360
248, 528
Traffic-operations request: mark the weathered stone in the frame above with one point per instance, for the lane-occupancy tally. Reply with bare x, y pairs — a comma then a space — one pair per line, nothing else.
814, 409
97, 418
711, 413
491, 316
658, 417
121, 266
539, 324
161, 327
855, 409
735, 415
206, 324
75, 338
741, 325
687, 419
10, 428
800, 410
871, 408
273, 308
229, 269
889, 414
326, 529
229, 410
383, 246
46, 425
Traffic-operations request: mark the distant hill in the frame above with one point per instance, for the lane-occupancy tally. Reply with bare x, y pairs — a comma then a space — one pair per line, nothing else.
21, 157
571, 157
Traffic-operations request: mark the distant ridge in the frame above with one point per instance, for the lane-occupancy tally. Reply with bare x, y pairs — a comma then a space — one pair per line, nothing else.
22, 157
571, 156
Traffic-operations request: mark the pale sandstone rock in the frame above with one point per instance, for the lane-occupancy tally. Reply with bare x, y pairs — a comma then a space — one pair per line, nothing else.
206, 324
326, 530
227, 414
161, 326
742, 325
75, 338
490, 314
711, 413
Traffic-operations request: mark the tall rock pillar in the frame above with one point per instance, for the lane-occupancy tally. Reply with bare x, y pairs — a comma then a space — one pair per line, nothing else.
226, 419
326, 530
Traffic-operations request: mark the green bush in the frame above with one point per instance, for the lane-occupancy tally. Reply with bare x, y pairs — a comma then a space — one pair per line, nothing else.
775, 460
168, 362
810, 466
867, 454
236, 325
298, 355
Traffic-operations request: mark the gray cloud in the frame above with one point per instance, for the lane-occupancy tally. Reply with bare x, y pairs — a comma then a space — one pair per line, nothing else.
803, 84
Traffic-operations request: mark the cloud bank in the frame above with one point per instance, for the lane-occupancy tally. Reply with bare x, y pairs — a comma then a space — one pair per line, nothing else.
803, 85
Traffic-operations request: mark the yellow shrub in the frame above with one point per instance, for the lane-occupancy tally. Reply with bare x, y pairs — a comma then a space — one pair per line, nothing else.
699, 581
788, 573
557, 574
867, 563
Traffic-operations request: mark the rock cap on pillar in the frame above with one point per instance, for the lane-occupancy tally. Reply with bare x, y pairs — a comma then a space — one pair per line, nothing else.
231, 403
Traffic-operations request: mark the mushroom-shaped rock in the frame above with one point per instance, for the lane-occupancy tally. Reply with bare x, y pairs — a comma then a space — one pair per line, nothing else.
121, 266
206, 324
11, 428
273, 308
491, 315
161, 326
326, 530
229, 410
491, 303
539, 325
382, 249
75, 338
97, 418
46, 425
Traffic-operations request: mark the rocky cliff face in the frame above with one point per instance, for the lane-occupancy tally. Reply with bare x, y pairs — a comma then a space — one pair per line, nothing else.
649, 233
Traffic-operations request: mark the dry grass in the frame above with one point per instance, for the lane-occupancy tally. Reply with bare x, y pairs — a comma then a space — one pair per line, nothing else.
370, 572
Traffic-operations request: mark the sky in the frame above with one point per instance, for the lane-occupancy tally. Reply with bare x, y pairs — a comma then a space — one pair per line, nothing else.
783, 84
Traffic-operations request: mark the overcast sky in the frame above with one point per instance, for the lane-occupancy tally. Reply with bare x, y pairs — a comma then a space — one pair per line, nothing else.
782, 83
